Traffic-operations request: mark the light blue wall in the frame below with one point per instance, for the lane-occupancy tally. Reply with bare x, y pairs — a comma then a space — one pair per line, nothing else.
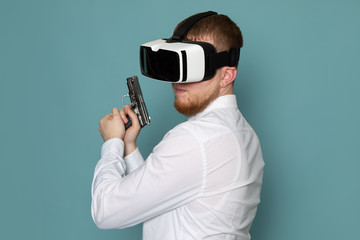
63, 65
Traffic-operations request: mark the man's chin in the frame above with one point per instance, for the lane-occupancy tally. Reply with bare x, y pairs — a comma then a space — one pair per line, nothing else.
189, 109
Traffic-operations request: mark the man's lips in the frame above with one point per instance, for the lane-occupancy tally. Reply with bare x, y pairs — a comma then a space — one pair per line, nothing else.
179, 90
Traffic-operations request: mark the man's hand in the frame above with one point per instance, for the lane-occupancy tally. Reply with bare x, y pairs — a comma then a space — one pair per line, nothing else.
132, 132
112, 126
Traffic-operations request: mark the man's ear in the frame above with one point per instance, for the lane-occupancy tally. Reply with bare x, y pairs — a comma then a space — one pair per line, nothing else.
229, 75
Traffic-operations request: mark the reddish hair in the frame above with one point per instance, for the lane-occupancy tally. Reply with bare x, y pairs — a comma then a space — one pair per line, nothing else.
224, 33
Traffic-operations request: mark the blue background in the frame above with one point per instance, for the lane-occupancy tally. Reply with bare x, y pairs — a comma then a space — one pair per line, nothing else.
63, 66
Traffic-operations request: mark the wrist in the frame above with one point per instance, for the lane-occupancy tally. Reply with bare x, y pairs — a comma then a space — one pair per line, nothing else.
129, 148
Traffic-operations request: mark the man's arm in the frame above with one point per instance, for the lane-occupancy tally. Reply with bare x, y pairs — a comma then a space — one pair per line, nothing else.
113, 165
131, 133
170, 177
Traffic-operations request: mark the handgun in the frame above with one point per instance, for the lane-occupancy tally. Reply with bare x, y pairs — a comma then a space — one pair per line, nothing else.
137, 103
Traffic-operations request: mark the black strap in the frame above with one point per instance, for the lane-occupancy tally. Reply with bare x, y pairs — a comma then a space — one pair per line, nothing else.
227, 58
185, 27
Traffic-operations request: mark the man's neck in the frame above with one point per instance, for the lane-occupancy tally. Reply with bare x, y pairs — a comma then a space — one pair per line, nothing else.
226, 90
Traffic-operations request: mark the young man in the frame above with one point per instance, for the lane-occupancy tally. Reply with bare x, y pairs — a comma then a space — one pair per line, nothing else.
203, 180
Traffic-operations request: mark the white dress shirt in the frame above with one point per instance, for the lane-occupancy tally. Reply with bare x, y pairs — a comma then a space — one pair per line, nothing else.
202, 181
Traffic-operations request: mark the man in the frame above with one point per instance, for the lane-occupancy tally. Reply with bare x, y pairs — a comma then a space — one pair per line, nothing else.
203, 180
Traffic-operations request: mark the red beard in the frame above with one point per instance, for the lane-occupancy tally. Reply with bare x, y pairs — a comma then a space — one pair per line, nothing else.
193, 106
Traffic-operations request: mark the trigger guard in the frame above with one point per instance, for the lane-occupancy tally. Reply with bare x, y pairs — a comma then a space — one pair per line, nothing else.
126, 95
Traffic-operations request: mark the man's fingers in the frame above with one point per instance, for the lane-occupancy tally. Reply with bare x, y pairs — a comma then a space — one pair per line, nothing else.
115, 112
123, 116
112, 126
120, 113
132, 115
128, 110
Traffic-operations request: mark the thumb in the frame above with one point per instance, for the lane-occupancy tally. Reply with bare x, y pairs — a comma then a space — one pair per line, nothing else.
132, 115
115, 112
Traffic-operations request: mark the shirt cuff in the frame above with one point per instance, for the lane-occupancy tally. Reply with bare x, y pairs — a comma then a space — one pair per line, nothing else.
113, 146
133, 160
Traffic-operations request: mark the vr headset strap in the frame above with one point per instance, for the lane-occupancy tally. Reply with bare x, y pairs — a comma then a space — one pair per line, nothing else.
227, 58
185, 27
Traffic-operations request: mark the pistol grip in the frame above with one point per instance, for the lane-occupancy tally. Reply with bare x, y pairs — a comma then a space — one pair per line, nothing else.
129, 123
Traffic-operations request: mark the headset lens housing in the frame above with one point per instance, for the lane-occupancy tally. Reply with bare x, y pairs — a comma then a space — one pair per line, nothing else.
161, 65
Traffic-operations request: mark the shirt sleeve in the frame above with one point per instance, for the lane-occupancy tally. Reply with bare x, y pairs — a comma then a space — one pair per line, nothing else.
133, 161
171, 176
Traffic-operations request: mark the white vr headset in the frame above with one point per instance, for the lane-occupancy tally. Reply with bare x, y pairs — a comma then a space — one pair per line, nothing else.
176, 60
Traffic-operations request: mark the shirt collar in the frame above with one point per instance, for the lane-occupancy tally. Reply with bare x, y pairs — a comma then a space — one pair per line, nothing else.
226, 101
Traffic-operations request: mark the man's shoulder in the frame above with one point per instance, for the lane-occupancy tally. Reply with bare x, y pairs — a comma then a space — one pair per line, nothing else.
201, 129
178, 140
